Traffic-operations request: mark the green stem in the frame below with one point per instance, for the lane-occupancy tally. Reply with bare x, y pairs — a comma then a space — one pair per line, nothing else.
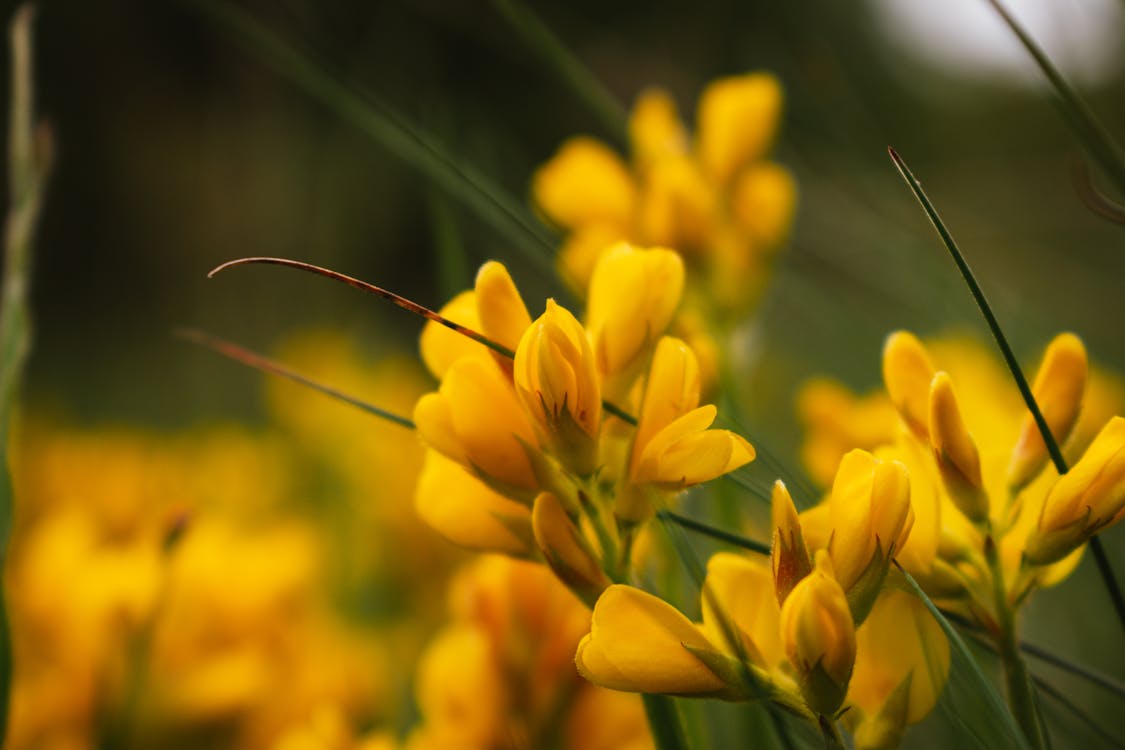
831, 735
1021, 695
664, 721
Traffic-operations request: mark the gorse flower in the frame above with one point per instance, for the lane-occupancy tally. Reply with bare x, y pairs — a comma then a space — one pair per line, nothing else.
993, 518
713, 197
538, 464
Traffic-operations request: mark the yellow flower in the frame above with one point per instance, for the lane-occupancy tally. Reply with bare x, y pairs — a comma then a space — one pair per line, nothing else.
475, 419
712, 198
871, 518
558, 385
818, 635
632, 298
907, 374
640, 643
1086, 499
673, 447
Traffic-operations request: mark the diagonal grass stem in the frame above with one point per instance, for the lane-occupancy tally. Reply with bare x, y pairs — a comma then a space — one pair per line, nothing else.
244, 356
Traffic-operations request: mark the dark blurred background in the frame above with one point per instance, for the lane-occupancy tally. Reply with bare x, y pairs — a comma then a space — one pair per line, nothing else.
179, 149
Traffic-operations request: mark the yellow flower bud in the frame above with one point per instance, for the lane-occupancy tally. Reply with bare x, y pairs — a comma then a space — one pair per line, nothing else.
907, 373
673, 447
1059, 388
1084, 500
476, 420
585, 182
632, 298
556, 382
818, 634
640, 643
655, 129
871, 518
956, 453
566, 550
789, 555
736, 120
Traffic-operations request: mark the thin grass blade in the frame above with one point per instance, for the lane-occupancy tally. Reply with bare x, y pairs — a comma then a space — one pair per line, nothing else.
236, 353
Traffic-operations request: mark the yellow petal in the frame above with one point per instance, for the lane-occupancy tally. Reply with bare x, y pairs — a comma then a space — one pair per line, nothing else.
672, 390
459, 688
636, 643
907, 373
502, 313
898, 639
1059, 388
580, 252
585, 182
489, 422
677, 206
441, 347
743, 588
466, 512
1084, 500
633, 295
433, 420
655, 129
763, 202
736, 121
695, 421
701, 457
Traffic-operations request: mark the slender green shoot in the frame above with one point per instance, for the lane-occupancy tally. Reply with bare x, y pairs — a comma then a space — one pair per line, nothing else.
664, 722
710, 531
392, 130
543, 43
1104, 568
29, 167
1074, 109
244, 356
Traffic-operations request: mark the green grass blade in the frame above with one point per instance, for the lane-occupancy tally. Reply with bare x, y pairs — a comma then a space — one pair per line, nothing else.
452, 260
975, 702
389, 128
1109, 579
543, 43
29, 167
1075, 111
244, 356
665, 723
710, 531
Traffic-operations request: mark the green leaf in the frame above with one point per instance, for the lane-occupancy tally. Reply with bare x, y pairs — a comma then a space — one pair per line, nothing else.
970, 700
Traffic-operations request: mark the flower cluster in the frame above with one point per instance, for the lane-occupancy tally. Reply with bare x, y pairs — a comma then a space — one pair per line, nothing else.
818, 630
990, 505
534, 449
714, 197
